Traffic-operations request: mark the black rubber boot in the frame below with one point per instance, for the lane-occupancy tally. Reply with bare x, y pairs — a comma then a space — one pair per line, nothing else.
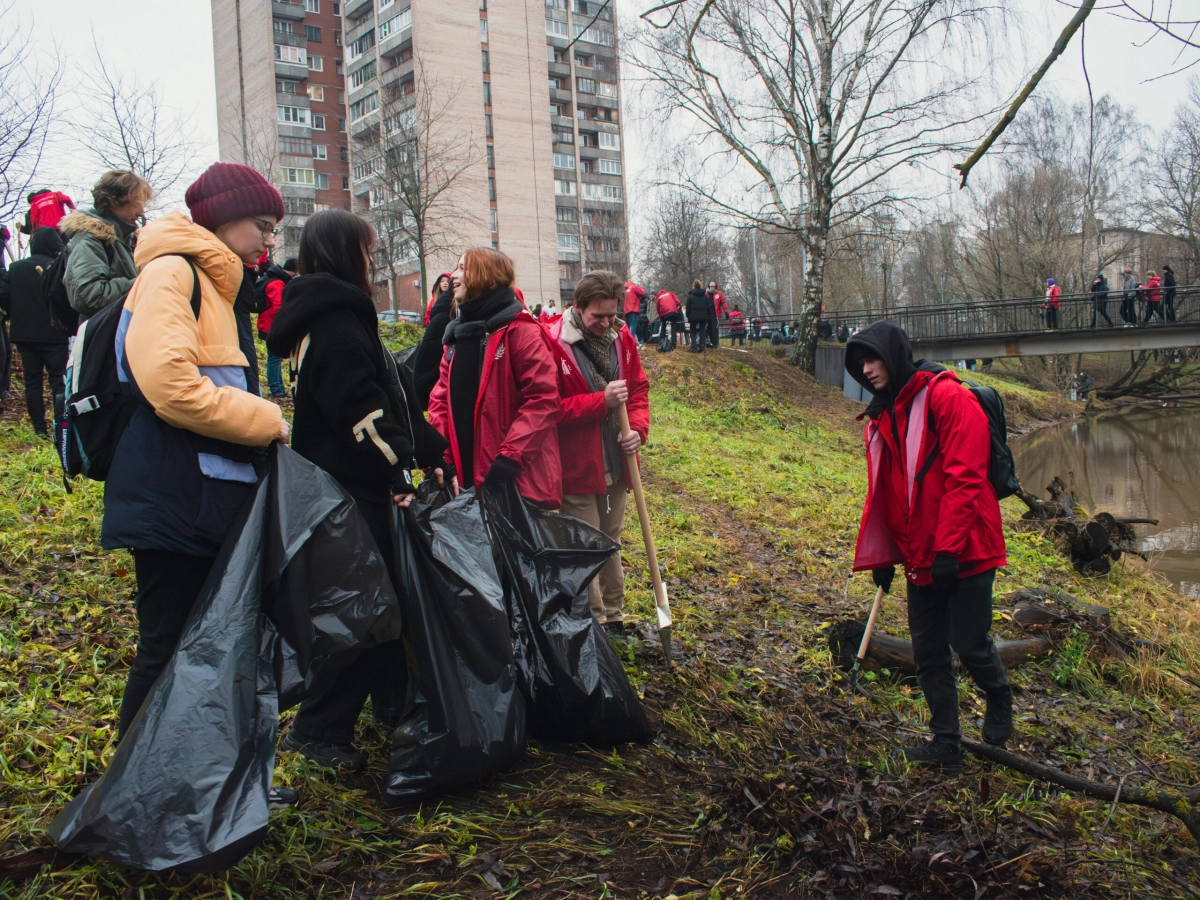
998, 720
946, 756
332, 756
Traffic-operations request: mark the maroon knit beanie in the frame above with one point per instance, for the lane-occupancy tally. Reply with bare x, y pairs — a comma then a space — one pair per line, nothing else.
228, 191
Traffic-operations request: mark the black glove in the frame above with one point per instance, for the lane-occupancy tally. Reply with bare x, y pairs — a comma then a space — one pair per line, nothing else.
502, 470
883, 577
448, 473
402, 482
944, 571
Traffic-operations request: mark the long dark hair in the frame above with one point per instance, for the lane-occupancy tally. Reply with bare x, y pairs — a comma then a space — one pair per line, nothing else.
338, 242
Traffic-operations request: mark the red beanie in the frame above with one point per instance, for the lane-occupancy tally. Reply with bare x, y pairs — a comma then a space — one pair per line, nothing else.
228, 191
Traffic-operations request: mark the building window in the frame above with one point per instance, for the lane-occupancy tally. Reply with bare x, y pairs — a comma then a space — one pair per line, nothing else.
609, 141
342, 124
320, 151
298, 206
345, 182
564, 188
556, 109
366, 105
384, 4
604, 89
594, 35
322, 181
362, 45
587, 139
345, 154
299, 176
607, 192
483, 31
337, 66
287, 54
312, 6
362, 76
491, 188
395, 24
485, 62
562, 136
487, 125
495, 222
587, 166
491, 156
582, 113
337, 39
487, 93
564, 161
483, 8
341, 98
586, 86
337, 9
293, 115
555, 84
312, 33
567, 214
316, 64
555, 28
584, 62
285, 87
316, 93
282, 27
610, 167
318, 123
295, 146
568, 242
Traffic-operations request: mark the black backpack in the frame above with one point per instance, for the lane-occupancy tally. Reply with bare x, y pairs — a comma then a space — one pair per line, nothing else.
98, 406
1002, 468
54, 290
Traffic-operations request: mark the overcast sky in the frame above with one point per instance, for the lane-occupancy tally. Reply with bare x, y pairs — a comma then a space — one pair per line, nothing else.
170, 41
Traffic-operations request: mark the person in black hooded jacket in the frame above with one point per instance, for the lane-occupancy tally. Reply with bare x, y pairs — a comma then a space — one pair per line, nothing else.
700, 311
43, 347
356, 417
1168, 283
427, 361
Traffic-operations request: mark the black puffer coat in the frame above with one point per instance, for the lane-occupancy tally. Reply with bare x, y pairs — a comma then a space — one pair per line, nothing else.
356, 413
699, 305
28, 315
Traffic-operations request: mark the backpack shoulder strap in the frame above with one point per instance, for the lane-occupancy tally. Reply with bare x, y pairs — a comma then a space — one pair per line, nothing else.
195, 302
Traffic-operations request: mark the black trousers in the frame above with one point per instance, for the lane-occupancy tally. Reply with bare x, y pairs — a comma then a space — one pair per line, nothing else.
960, 620
1129, 309
1100, 308
1154, 308
168, 585
699, 329
330, 713
714, 331
738, 336
1051, 317
5, 358
52, 358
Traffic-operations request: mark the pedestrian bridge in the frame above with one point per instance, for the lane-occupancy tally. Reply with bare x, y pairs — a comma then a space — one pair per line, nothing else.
1018, 327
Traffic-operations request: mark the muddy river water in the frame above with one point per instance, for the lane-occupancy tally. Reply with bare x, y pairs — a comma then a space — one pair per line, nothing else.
1139, 462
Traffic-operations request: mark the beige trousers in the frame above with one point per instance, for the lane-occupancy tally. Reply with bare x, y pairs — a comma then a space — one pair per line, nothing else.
606, 593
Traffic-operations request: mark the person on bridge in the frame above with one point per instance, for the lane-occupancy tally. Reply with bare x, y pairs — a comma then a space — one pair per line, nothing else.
1100, 300
1153, 294
1129, 289
931, 506
1168, 281
1053, 300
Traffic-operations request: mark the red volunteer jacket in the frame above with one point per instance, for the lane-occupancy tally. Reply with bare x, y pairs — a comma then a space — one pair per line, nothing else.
737, 322
274, 292
666, 303
1153, 294
633, 298
583, 411
1054, 296
952, 508
719, 304
516, 414
47, 210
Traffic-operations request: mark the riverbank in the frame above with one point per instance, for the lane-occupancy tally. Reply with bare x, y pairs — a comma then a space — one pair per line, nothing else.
766, 779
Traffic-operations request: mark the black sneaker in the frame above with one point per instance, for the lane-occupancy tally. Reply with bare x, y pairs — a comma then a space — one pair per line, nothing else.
998, 720
617, 627
281, 798
946, 756
332, 756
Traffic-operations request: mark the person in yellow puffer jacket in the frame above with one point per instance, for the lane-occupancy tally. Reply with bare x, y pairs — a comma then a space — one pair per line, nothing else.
185, 464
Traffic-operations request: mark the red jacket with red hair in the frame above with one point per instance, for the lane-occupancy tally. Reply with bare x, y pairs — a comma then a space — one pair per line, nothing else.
583, 410
516, 414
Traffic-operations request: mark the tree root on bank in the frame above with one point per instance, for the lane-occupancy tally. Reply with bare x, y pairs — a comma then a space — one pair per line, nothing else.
1183, 805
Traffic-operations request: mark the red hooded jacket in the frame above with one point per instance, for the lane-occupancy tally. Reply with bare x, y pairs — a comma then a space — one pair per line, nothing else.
1153, 294
516, 414
47, 210
583, 410
719, 304
633, 298
928, 489
666, 303
737, 322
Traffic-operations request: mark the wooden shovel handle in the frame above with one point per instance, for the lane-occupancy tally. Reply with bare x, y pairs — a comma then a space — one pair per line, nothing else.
639, 496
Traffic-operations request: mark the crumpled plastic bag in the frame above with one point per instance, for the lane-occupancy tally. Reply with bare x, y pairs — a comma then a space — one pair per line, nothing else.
187, 787
469, 716
572, 679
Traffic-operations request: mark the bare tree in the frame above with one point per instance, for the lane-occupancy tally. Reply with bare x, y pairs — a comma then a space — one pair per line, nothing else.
684, 242
1176, 175
126, 124
29, 85
413, 157
809, 104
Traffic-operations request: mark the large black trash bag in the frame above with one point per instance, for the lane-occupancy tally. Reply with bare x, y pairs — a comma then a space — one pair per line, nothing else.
187, 787
469, 717
572, 678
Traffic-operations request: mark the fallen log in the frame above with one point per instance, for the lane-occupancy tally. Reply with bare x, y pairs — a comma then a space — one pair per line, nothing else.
896, 654
1183, 805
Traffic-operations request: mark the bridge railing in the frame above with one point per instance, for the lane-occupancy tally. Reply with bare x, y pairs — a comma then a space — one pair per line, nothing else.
1011, 317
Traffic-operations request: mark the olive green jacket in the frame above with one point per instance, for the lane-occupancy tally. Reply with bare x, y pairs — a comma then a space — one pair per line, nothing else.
100, 269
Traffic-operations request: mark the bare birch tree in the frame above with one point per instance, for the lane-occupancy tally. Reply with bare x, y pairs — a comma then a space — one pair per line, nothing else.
805, 105
29, 85
413, 159
126, 124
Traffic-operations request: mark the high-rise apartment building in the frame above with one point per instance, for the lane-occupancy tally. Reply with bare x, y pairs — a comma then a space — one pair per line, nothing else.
281, 105
534, 111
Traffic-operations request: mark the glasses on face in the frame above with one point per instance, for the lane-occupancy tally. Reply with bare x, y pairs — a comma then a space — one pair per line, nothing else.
267, 229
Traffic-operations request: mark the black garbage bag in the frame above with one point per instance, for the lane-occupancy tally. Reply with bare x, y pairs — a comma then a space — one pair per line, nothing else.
469, 717
572, 678
187, 787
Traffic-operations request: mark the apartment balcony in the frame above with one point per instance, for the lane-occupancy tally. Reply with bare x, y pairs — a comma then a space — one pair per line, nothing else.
560, 69
568, 256
285, 9
561, 95
602, 102
397, 74
352, 9
291, 71
395, 44
298, 100
360, 128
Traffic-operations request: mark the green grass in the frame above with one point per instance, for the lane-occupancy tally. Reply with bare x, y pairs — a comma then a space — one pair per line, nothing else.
766, 775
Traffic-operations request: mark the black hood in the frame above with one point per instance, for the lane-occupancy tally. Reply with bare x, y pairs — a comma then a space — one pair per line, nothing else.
697, 292
46, 242
888, 342
306, 298
277, 272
